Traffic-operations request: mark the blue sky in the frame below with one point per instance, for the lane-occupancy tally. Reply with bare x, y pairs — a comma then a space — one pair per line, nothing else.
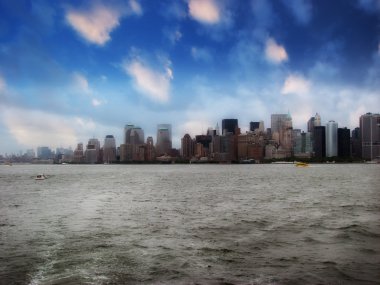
71, 70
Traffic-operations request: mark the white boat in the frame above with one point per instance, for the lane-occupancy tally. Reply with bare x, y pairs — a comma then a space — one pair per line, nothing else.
40, 177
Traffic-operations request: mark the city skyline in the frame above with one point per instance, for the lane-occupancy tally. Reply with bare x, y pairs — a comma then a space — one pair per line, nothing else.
70, 70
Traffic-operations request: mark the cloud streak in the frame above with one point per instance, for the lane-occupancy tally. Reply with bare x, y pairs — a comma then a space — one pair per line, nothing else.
296, 84
96, 23
148, 81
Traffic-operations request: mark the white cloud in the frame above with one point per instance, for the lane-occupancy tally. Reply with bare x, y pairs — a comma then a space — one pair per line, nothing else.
36, 128
81, 83
274, 52
135, 7
96, 23
96, 102
205, 11
154, 84
201, 54
296, 84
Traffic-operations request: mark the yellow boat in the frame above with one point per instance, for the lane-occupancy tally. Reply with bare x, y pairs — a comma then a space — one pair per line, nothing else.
301, 164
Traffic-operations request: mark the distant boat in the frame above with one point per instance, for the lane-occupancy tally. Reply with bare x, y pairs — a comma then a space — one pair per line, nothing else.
301, 164
40, 177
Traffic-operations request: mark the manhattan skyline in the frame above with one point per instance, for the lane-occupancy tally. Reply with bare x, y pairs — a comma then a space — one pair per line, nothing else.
72, 70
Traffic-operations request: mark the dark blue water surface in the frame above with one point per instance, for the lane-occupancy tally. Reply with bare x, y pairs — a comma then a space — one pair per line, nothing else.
190, 224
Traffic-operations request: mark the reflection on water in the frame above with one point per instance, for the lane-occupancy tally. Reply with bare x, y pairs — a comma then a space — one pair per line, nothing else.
190, 224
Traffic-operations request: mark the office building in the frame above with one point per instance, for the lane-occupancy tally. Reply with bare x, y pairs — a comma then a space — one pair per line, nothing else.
331, 139
344, 145
356, 144
281, 129
187, 147
164, 139
229, 126
150, 154
319, 143
370, 136
92, 153
109, 149
256, 126
44, 152
133, 135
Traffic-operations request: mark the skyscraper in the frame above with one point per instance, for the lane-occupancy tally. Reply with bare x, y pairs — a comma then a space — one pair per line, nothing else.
281, 128
187, 147
331, 139
317, 120
133, 135
256, 126
92, 151
229, 125
109, 149
164, 139
344, 144
319, 145
370, 135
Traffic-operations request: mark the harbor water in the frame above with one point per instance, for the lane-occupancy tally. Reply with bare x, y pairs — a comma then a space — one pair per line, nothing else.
190, 224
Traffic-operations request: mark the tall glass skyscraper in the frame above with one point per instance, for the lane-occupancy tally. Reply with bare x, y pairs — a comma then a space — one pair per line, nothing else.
331, 139
370, 135
164, 139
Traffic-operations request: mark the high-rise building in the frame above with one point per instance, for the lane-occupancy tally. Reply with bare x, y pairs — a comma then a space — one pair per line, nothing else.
317, 120
78, 154
370, 136
356, 144
92, 151
331, 139
344, 145
319, 144
150, 154
187, 147
44, 152
164, 139
259, 126
133, 135
281, 128
310, 125
109, 149
229, 126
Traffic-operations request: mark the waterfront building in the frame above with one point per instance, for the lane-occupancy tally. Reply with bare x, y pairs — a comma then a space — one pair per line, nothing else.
133, 135
229, 126
344, 146
331, 139
356, 144
92, 153
256, 126
281, 128
30, 153
78, 154
109, 149
303, 146
250, 146
150, 154
164, 139
370, 136
187, 147
44, 152
319, 142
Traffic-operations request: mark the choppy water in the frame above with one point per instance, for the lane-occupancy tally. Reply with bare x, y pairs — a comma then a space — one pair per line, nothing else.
190, 224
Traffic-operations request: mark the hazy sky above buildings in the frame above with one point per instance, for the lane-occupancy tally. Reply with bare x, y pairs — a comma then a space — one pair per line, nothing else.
71, 70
